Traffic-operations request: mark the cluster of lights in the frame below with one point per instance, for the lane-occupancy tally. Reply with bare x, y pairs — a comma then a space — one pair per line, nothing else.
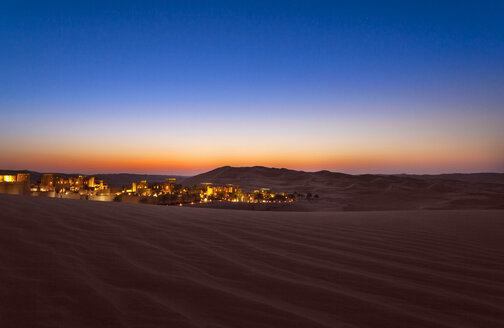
167, 193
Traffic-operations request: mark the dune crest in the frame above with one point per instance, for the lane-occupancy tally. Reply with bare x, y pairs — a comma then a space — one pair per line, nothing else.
367, 192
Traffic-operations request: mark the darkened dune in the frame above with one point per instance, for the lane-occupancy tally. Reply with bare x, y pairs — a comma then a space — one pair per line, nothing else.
467, 177
368, 192
70, 263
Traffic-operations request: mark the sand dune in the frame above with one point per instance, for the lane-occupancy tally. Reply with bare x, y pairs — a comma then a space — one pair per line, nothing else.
71, 263
367, 192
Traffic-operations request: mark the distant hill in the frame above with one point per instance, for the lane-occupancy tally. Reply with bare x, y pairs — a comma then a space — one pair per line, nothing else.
113, 179
260, 176
338, 191
250, 178
367, 191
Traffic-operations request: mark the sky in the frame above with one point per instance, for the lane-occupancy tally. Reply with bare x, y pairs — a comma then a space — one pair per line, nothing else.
182, 87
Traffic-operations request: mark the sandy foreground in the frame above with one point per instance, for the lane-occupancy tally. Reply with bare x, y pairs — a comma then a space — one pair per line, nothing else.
71, 263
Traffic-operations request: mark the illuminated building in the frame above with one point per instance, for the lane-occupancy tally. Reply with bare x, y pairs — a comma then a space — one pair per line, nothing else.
169, 184
80, 180
15, 184
7, 178
48, 182
165, 193
23, 177
206, 189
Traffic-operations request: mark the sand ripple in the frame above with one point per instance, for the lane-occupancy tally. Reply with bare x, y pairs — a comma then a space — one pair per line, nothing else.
70, 263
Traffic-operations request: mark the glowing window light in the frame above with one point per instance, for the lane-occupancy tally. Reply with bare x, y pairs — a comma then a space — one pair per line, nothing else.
9, 178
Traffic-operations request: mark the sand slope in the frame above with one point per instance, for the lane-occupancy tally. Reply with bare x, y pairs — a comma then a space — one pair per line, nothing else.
367, 192
71, 263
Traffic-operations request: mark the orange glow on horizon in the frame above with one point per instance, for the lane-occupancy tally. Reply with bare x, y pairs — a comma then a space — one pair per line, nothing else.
150, 163
357, 145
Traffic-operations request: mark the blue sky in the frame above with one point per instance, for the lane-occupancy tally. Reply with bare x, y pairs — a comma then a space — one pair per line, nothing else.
176, 73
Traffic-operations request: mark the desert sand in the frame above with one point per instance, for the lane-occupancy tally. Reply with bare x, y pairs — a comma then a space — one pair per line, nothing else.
366, 192
73, 263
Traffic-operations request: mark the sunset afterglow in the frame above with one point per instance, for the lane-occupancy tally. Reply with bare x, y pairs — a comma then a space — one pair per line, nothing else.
182, 90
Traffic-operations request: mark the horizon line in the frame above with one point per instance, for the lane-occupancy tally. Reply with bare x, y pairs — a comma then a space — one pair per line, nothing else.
254, 166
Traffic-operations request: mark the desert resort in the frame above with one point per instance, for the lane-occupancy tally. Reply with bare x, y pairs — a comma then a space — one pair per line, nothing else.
165, 193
